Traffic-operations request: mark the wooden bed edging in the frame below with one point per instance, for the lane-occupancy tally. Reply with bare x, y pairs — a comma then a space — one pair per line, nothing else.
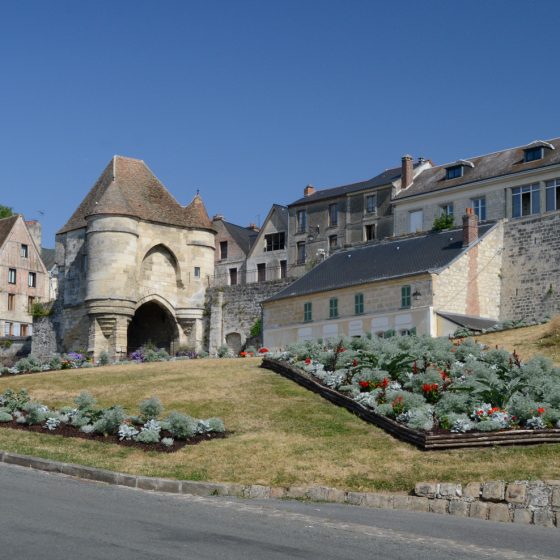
423, 440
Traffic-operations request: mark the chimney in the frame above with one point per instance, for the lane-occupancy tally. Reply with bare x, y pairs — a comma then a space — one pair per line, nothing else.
36, 231
253, 227
217, 218
406, 172
309, 190
470, 227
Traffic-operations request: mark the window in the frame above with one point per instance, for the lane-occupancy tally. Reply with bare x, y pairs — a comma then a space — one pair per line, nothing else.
11, 276
233, 276
23, 330
333, 241
408, 332
533, 154
358, 304
32, 279
307, 312
446, 209
24, 251
333, 307
283, 269
261, 272
525, 200
30, 302
416, 221
553, 195
454, 172
275, 241
479, 207
333, 215
301, 221
301, 252
197, 271
223, 249
371, 204
11, 302
369, 232
405, 296
8, 329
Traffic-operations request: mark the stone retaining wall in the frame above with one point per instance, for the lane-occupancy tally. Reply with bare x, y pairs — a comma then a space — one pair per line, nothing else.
536, 502
13, 348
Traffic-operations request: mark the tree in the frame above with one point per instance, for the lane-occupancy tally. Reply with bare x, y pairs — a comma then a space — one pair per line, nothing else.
6, 211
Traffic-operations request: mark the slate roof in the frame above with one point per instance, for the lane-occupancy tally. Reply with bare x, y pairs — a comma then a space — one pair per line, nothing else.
243, 236
48, 256
469, 321
428, 252
282, 212
498, 164
128, 187
385, 178
6, 225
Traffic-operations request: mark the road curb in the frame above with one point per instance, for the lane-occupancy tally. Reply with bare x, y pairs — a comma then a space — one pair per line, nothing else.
323, 494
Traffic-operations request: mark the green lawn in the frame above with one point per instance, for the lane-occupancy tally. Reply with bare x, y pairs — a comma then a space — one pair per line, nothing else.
282, 434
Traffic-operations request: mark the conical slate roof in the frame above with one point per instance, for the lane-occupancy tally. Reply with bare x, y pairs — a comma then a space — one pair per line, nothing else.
128, 187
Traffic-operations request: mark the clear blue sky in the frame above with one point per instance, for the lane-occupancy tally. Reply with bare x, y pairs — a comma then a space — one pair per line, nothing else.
252, 100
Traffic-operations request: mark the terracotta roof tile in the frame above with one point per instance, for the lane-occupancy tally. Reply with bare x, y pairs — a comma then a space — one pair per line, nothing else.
128, 187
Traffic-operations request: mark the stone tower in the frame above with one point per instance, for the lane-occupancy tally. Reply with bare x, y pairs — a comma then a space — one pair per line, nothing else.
134, 266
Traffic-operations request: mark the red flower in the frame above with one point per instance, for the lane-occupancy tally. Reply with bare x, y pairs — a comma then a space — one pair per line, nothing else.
540, 410
414, 367
263, 350
385, 383
242, 354
364, 384
308, 360
355, 362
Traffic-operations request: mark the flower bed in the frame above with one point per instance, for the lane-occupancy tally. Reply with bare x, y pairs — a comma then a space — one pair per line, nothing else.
145, 431
436, 386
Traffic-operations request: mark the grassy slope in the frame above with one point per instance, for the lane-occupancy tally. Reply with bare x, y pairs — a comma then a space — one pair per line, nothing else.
282, 433
527, 341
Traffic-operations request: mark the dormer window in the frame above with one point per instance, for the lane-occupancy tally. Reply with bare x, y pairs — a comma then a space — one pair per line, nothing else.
454, 172
533, 154
457, 169
535, 150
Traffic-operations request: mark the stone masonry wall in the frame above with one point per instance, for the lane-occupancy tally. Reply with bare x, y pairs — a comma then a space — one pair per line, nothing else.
531, 268
241, 307
523, 501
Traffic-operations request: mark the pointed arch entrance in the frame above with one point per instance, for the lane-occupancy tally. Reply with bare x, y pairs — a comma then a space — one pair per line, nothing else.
152, 324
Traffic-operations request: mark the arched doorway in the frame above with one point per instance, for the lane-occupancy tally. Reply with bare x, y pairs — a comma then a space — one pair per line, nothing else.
152, 324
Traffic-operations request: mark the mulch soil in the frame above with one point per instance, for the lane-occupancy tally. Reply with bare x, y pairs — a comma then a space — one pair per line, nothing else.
71, 432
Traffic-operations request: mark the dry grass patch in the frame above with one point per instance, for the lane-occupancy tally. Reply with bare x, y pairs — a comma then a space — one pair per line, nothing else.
528, 341
282, 434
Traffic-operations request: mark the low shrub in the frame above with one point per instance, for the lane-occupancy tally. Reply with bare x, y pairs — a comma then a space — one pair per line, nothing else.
150, 408
180, 425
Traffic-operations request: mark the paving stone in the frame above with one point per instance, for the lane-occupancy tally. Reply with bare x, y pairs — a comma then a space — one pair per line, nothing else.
158, 484
45, 465
381, 501
90, 473
400, 502
472, 490
556, 497
296, 492
494, 491
199, 488
356, 498
522, 515
126, 480
459, 508
450, 490
499, 512
479, 510
15, 459
323, 493
428, 489
277, 492
418, 503
516, 492
544, 517
257, 491
538, 495
438, 506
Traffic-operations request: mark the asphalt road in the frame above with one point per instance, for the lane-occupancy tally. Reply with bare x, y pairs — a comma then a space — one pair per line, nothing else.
46, 516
